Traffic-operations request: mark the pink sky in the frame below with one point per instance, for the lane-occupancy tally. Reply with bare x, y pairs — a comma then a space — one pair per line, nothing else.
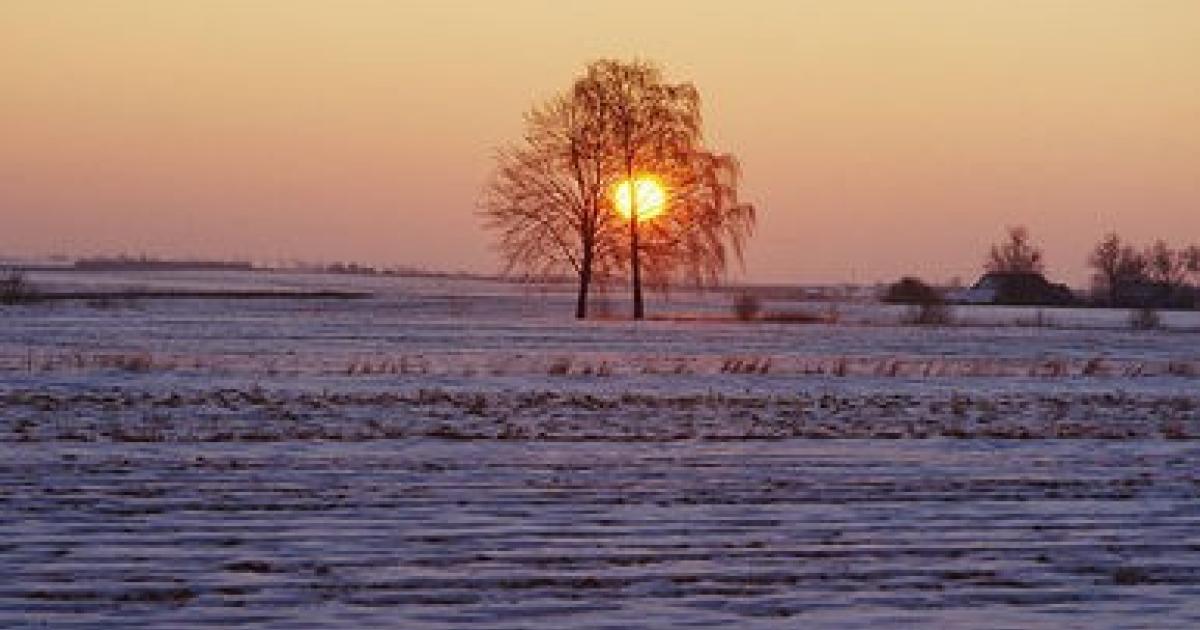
878, 138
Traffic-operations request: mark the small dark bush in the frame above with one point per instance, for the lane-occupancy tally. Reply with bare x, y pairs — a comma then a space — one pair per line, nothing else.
15, 288
910, 290
1144, 319
930, 314
746, 306
929, 308
799, 317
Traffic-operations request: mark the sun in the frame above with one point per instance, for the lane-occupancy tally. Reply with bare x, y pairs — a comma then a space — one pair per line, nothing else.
651, 197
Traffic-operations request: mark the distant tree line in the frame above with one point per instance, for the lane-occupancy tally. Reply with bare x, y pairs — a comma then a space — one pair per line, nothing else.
146, 263
1155, 276
1124, 276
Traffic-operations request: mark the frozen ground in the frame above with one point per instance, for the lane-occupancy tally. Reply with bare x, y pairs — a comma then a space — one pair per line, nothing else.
459, 453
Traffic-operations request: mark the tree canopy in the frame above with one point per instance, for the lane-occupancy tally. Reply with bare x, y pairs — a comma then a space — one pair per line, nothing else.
1016, 255
550, 198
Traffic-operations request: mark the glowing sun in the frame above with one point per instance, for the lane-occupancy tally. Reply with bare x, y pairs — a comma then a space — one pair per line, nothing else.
651, 197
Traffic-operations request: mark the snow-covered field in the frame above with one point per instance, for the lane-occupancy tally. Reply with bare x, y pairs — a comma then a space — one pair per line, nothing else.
461, 453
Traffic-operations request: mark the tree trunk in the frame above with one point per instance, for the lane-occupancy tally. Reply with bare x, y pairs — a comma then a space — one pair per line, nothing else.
585, 281
639, 311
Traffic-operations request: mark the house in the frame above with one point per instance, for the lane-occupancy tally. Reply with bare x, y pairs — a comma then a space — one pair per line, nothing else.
1015, 289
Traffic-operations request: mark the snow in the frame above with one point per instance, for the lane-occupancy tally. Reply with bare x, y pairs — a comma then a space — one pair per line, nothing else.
459, 453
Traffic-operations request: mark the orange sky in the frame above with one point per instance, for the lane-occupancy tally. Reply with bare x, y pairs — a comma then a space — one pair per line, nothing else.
878, 137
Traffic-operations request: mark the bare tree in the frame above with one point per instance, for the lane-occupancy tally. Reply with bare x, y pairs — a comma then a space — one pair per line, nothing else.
1105, 259
1165, 266
648, 122
1191, 263
545, 198
1118, 267
549, 197
1016, 255
1191, 258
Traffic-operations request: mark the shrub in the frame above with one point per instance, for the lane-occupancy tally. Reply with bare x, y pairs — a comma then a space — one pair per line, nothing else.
746, 306
798, 317
1144, 318
929, 308
910, 290
15, 288
930, 314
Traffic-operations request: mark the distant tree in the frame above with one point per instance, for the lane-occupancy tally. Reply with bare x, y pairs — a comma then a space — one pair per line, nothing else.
1191, 259
1105, 259
15, 287
1016, 255
550, 196
1191, 263
1164, 266
1118, 267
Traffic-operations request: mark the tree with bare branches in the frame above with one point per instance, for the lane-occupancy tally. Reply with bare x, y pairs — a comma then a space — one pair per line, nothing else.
1016, 255
1191, 263
545, 197
551, 196
1165, 266
1118, 266
650, 124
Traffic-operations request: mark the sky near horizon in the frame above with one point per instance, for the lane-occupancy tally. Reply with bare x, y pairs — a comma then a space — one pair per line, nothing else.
878, 138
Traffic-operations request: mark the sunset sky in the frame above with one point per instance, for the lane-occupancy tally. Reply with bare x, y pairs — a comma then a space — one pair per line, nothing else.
877, 137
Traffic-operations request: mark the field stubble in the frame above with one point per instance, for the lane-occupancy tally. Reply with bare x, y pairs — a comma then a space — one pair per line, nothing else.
454, 455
